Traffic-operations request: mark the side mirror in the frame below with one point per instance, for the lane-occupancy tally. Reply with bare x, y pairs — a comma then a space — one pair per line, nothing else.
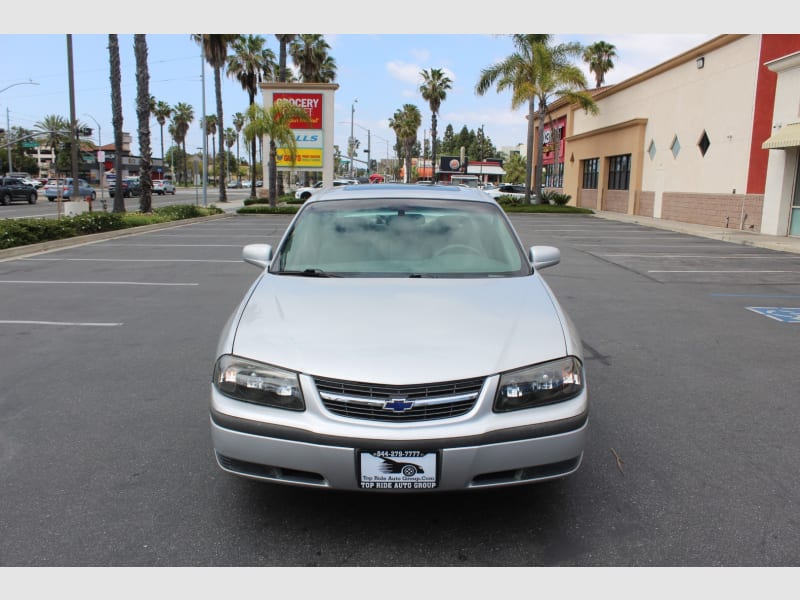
259, 255
542, 257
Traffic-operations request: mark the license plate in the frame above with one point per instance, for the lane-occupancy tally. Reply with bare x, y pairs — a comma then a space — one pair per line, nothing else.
398, 469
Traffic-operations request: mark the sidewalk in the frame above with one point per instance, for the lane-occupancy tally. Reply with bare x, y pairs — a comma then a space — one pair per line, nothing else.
736, 236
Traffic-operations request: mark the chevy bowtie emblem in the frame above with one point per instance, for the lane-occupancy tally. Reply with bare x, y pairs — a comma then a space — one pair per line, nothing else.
398, 405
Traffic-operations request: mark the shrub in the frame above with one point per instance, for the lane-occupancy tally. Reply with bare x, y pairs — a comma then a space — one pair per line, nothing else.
560, 199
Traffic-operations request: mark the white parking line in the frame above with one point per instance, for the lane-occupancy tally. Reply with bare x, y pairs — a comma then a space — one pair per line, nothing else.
723, 271
74, 324
710, 256
131, 260
174, 245
98, 282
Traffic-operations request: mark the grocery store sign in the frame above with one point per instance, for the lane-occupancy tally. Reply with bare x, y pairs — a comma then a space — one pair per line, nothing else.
311, 103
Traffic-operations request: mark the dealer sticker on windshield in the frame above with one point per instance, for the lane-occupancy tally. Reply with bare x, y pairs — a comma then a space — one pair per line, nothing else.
398, 470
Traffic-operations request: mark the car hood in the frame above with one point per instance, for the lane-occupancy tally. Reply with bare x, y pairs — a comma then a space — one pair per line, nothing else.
399, 330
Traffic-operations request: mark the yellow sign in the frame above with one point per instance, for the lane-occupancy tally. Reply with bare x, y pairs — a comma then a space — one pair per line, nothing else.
304, 157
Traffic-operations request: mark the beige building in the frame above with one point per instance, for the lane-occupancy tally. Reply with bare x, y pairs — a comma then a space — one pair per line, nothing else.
683, 140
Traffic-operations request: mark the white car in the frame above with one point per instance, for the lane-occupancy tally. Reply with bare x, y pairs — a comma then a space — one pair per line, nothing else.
512, 190
399, 338
304, 193
163, 186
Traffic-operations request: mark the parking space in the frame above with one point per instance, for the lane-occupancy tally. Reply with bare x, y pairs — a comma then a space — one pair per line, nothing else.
105, 446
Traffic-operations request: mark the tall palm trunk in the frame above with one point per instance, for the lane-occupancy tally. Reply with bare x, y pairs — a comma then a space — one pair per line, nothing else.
529, 155
116, 112
143, 114
223, 196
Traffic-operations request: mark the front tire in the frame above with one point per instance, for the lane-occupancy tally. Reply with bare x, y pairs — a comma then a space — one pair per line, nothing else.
6, 199
32, 198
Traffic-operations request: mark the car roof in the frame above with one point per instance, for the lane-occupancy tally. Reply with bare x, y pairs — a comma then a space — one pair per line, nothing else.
402, 191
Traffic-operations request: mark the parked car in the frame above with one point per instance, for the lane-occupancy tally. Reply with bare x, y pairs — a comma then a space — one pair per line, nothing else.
131, 186
441, 359
56, 188
512, 190
14, 189
234, 184
304, 193
163, 186
34, 183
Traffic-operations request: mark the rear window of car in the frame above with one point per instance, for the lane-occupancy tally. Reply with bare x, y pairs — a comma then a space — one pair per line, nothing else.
423, 238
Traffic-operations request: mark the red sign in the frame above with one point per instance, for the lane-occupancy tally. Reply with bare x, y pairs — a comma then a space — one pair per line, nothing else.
312, 103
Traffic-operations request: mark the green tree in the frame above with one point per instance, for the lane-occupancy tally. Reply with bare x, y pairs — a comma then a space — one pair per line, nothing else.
182, 118
53, 131
514, 168
251, 63
215, 51
538, 73
434, 90
210, 129
309, 52
231, 138
143, 115
161, 111
600, 58
238, 124
274, 122
406, 123
116, 115
284, 39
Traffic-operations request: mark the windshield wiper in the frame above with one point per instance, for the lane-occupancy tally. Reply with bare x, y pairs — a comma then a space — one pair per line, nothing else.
309, 273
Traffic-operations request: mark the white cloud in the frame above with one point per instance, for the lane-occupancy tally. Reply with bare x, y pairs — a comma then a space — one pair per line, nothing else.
405, 72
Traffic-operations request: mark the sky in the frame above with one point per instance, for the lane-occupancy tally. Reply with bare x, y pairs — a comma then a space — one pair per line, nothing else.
377, 71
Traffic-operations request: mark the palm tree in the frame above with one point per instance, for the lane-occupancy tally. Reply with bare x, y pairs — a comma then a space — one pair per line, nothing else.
143, 114
538, 72
53, 131
182, 117
599, 56
434, 90
406, 123
249, 64
161, 111
215, 50
274, 122
116, 118
238, 123
211, 130
231, 138
284, 39
309, 51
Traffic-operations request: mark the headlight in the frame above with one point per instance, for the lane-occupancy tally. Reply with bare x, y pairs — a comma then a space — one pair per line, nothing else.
546, 383
251, 381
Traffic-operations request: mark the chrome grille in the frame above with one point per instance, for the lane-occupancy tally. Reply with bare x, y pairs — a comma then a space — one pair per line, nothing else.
368, 400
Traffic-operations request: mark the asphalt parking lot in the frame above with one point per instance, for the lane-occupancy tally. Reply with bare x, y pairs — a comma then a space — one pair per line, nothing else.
690, 344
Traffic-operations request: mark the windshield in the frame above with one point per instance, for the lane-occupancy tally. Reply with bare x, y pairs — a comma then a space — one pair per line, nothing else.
401, 238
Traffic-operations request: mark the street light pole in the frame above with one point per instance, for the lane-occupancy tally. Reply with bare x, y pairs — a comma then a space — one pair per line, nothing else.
8, 119
100, 163
352, 140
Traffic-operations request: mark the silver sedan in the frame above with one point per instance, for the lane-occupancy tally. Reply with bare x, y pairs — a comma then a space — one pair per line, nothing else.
399, 338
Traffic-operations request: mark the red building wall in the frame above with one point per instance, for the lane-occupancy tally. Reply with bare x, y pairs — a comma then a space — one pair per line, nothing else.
772, 46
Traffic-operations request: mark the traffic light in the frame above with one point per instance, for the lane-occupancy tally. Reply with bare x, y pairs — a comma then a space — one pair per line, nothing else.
85, 131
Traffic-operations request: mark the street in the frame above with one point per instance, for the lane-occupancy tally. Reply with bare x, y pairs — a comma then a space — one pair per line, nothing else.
105, 451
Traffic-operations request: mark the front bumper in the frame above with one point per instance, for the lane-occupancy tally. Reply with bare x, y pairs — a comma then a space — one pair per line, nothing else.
481, 449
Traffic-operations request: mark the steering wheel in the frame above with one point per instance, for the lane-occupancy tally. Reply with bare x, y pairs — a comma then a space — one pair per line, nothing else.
458, 247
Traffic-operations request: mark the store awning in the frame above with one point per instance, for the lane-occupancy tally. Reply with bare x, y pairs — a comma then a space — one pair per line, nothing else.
787, 137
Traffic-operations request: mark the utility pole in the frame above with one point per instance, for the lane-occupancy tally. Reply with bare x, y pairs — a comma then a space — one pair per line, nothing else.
73, 122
